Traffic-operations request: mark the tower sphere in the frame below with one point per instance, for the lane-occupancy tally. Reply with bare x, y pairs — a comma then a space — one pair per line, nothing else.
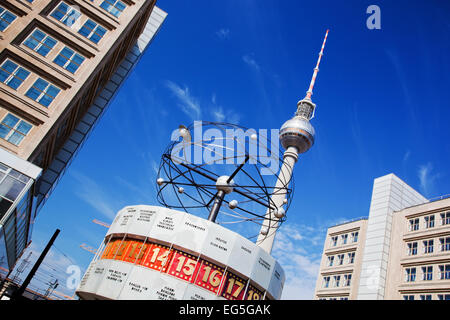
297, 132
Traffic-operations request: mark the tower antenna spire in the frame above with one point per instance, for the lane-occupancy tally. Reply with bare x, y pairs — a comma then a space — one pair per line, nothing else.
316, 69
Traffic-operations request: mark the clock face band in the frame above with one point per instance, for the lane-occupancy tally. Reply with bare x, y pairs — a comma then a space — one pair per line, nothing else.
194, 269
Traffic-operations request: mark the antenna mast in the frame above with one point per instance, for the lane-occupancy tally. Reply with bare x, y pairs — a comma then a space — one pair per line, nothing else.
316, 69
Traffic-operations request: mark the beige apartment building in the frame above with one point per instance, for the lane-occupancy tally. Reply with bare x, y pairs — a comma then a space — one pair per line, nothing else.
61, 63
342, 255
419, 266
401, 251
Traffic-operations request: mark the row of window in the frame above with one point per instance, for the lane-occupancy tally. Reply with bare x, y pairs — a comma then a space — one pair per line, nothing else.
338, 260
337, 281
42, 43
439, 296
428, 246
334, 298
69, 16
14, 75
115, 7
429, 221
344, 239
427, 273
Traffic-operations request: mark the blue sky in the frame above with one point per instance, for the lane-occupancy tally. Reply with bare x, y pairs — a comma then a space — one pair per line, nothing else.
382, 106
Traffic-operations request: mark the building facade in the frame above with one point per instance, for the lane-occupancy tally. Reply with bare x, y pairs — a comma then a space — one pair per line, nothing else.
61, 63
403, 253
341, 259
419, 264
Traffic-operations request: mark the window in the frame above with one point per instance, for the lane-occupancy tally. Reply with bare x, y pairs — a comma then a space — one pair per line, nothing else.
344, 238
337, 280
414, 224
444, 296
425, 297
412, 248
351, 257
445, 218
334, 241
12, 184
444, 271
340, 259
408, 297
355, 236
69, 59
40, 42
12, 75
410, 274
347, 280
427, 273
429, 221
330, 261
13, 129
66, 14
326, 282
6, 18
445, 244
115, 7
92, 31
42, 92
428, 246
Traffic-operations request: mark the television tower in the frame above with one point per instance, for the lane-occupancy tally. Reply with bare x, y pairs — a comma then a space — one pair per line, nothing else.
296, 136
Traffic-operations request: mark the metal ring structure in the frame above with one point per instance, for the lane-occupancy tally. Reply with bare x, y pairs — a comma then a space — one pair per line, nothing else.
228, 155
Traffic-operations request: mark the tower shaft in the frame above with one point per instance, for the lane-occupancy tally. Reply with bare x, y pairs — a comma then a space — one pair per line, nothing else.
270, 223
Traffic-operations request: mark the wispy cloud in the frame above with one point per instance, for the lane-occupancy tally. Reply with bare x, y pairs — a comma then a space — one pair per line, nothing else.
427, 178
89, 191
140, 192
223, 33
249, 60
298, 249
155, 167
406, 155
220, 114
408, 94
358, 137
188, 104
